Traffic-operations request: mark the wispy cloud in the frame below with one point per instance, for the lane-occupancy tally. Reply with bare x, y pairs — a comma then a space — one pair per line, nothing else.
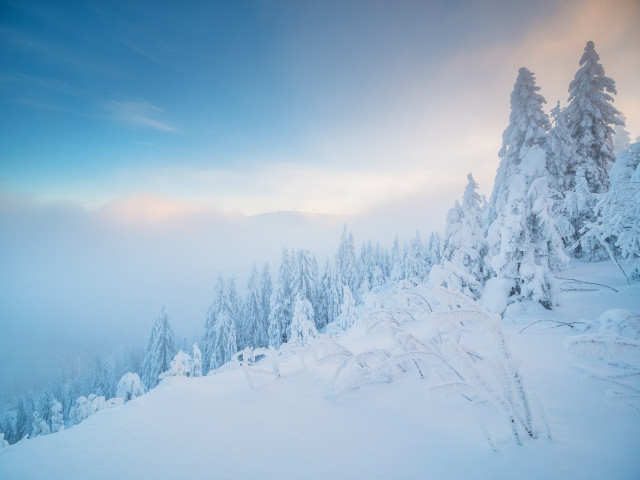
137, 114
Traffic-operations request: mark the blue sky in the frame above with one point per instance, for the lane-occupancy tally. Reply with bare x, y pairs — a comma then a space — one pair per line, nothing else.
208, 103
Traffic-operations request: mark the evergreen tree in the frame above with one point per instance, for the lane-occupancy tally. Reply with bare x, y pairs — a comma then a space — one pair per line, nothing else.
346, 267
196, 366
618, 212
254, 331
348, 314
464, 245
433, 253
305, 280
266, 290
220, 341
302, 322
415, 261
397, 264
523, 240
590, 119
281, 304
160, 350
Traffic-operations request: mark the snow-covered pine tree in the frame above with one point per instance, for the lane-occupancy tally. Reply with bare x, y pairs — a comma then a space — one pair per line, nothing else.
160, 350
302, 322
266, 290
348, 314
416, 268
219, 339
39, 426
617, 226
346, 264
561, 156
523, 240
281, 304
196, 365
464, 244
254, 328
56, 420
591, 119
621, 138
305, 280
234, 302
434, 250
397, 270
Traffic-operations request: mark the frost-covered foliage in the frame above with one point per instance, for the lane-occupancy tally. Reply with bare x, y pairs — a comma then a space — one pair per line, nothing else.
591, 118
129, 387
302, 324
621, 138
463, 268
220, 328
281, 304
56, 419
524, 244
617, 226
259, 365
196, 364
348, 314
160, 350
449, 359
617, 345
181, 365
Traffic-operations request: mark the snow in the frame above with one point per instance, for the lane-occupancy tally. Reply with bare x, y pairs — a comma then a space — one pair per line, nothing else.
293, 418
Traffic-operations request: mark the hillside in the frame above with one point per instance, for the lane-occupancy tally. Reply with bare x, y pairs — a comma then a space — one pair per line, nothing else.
405, 393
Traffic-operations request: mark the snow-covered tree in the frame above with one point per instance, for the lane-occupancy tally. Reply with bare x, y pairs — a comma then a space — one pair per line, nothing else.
346, 264
56, 420
348, 314
266, 290
220, 332
39, 426
305, 278
523, 240
302, 323
281, 304
160, 350
464, 244
196, 365
3, 442
617, 226
254, 333
415, 261
129, 387
397, 271
621, 138
433, 252
180, 366
591, 119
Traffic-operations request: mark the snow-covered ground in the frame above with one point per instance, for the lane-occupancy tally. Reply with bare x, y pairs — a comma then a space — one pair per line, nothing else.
425, 395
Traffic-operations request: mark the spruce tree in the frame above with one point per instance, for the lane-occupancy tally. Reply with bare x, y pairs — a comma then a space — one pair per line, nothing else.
523, 240
591, 119
160, 350
254, 330
281, 304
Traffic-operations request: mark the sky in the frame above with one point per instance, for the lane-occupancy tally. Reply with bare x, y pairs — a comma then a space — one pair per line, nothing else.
146, 147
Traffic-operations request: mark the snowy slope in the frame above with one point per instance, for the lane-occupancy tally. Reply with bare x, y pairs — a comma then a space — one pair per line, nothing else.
310, 422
